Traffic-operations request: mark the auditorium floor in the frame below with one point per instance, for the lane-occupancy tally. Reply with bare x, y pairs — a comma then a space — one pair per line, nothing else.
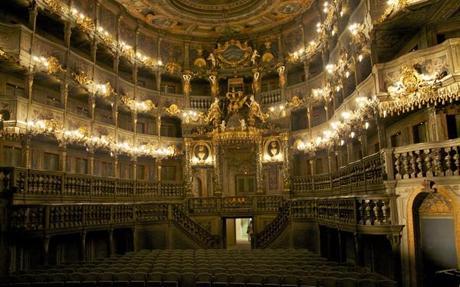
211, 267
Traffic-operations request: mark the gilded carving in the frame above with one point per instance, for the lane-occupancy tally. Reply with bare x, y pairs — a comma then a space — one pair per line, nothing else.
435, 204
255, 112
214, 115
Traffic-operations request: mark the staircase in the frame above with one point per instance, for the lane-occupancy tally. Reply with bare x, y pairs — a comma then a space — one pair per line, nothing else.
274, 228
197, 232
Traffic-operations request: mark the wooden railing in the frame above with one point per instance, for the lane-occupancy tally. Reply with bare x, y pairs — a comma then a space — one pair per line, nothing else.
270, 97
53, 218
427, 160
28, 183
233, 204
274, 228
194, 229
365, 175
59, 218
200, 103
348, 213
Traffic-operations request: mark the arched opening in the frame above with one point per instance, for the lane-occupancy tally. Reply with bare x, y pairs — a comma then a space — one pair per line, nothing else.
434, 233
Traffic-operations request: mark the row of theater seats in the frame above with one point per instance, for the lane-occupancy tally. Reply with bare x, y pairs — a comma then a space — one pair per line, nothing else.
265, 267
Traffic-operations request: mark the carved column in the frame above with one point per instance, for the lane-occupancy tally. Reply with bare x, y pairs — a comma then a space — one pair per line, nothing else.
312, 163
134, 168
259, 167
29, 81
83, 246
349, 144
63, 157
27, 156
90, 152
116, 171
217, 180
381, 133
158, 160
158, 72
111, 243
287, 163
188, 168
340, 247
33, 13
187, 87
358, 247
434, 130
395, 241
364, 145
46, 246
330, 167
309, 113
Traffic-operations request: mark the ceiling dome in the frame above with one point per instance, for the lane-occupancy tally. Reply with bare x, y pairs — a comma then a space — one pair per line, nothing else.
215, 18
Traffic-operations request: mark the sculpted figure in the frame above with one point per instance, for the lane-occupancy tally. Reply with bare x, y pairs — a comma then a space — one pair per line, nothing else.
214, 86
254, 57
212, 59
237, 100
214, 115
282, 76
256, 83
255, 112
187, 87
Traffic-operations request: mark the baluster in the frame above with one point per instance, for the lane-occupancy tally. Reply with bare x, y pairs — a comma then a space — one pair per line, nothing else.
413, 164
448, 161
376, 212
428, 164
385, 211
419, 162
405, 164
457, 161
368, 210
437, 162
397, 166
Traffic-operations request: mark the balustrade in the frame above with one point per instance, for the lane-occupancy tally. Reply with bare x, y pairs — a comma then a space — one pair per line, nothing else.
28, 182
270, 97
274, 228
193, 228
340, 211
50, 218
200, 103
427, 160
363, 175
252, 204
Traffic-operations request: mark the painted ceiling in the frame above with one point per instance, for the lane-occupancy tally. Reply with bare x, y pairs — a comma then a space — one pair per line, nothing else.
216, 18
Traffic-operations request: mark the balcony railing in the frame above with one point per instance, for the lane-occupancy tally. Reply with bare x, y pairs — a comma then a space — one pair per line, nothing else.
427, 160
235, 204
365, 175
363, 214
29, 184
60, 218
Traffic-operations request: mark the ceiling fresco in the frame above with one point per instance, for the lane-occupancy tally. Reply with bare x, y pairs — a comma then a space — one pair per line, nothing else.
216, 18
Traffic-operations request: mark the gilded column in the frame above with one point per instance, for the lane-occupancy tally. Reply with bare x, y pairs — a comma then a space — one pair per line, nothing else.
287, 163
188, 168
62, 157
217, 180
158, 72
259, 166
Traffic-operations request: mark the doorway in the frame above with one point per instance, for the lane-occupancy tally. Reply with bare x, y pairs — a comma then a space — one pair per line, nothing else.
238, 232
435, 239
